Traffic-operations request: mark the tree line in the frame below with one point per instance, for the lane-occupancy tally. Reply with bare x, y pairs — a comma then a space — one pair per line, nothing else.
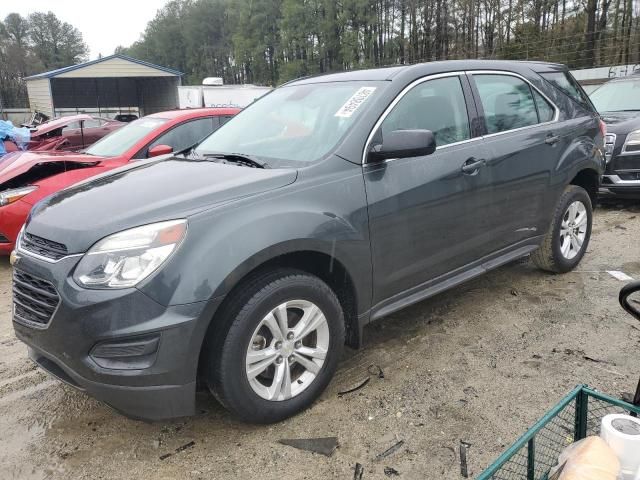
269, 42
33, 44
272, 41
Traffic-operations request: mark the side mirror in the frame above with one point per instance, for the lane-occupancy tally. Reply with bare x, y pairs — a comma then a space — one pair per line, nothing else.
630, 298
403, 144
159, 150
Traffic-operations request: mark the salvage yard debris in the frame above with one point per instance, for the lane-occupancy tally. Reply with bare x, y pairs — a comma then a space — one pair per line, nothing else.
373, 370
358, 472
464, 469
391, 450
356, 388
178, 450
391, 472
581, 353
324, 446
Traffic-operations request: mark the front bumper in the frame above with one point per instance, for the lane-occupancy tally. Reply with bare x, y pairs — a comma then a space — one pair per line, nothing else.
622, 172
142, 403
151, 384
614, 185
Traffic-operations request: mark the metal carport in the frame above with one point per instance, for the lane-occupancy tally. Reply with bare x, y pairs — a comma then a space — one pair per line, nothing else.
106, 87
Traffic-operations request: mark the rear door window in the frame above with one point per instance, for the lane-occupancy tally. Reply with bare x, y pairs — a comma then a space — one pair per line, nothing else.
510, 103
546, 111
437, 105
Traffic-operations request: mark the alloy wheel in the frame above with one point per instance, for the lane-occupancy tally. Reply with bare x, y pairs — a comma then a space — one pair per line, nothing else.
287, 350
573, 230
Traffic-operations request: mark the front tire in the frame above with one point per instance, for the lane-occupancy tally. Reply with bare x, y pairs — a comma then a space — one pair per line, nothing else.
281, 349
566, 242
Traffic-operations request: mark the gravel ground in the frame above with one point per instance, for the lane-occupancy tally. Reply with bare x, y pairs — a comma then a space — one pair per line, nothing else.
479, 363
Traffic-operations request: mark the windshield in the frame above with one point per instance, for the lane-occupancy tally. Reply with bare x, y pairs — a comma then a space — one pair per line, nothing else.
121, 140
296, 124
617, 96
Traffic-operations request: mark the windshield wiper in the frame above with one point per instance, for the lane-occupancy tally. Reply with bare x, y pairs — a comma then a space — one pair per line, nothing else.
238, 158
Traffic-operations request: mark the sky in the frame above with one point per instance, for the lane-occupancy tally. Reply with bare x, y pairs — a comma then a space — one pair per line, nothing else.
104, 24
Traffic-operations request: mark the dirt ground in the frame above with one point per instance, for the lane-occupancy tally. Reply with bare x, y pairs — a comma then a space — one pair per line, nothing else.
480, 363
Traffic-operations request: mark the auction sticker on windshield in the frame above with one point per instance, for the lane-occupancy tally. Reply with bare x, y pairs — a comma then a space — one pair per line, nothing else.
354, 102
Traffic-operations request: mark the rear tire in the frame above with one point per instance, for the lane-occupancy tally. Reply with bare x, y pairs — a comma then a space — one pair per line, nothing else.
266, 333
568, 237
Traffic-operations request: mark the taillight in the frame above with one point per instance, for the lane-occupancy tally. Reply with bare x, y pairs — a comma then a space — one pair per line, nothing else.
603, 128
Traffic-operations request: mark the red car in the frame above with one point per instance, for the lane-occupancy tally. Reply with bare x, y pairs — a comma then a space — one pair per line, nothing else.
27, 177
70, 133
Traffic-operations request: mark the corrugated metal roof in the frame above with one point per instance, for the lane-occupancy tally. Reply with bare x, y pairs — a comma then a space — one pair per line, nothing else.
59, 71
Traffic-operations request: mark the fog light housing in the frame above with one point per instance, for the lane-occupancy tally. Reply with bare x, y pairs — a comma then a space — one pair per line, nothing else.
132, 353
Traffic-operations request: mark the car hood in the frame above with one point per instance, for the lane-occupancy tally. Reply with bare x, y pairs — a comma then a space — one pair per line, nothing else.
146, 192
58, 123
621, 122
15, 164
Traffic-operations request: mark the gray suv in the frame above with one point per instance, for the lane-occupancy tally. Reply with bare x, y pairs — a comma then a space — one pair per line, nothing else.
246, 263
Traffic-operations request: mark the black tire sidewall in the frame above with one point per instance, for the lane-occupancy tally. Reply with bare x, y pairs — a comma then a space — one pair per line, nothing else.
574, 194
234, 385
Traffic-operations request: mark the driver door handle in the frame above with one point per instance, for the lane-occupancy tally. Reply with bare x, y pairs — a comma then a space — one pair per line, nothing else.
472, 165
551, 139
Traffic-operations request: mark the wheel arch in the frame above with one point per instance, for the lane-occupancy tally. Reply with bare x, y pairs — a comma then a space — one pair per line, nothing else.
589, 179
315, 259
330, 270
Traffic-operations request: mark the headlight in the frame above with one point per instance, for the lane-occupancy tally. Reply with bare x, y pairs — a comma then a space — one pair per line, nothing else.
10, 196
126, 258
632, 142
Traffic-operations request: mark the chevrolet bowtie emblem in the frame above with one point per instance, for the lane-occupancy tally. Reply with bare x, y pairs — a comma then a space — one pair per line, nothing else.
14, 258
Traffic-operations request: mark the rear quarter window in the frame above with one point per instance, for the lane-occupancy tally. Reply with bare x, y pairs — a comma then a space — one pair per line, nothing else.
568, 85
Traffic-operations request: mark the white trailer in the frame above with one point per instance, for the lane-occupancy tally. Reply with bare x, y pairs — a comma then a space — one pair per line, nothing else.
190, 97
232, 95
219, 96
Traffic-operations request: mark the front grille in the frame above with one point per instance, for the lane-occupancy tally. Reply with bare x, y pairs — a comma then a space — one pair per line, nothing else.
34, 300
43, 247
609, 145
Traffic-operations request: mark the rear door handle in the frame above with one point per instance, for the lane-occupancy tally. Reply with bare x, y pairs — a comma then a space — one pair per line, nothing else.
472, 165
552, 139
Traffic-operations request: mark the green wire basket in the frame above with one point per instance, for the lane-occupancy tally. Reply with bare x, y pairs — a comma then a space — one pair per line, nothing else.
577, 416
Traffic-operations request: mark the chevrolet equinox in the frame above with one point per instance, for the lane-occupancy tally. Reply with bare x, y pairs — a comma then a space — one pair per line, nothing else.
247, 262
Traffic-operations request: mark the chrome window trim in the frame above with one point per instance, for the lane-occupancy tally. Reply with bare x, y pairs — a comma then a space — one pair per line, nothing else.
454, 144
457, 74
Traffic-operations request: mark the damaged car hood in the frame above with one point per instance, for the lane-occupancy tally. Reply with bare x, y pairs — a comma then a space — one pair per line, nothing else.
143, 193
52, 125
18, 169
